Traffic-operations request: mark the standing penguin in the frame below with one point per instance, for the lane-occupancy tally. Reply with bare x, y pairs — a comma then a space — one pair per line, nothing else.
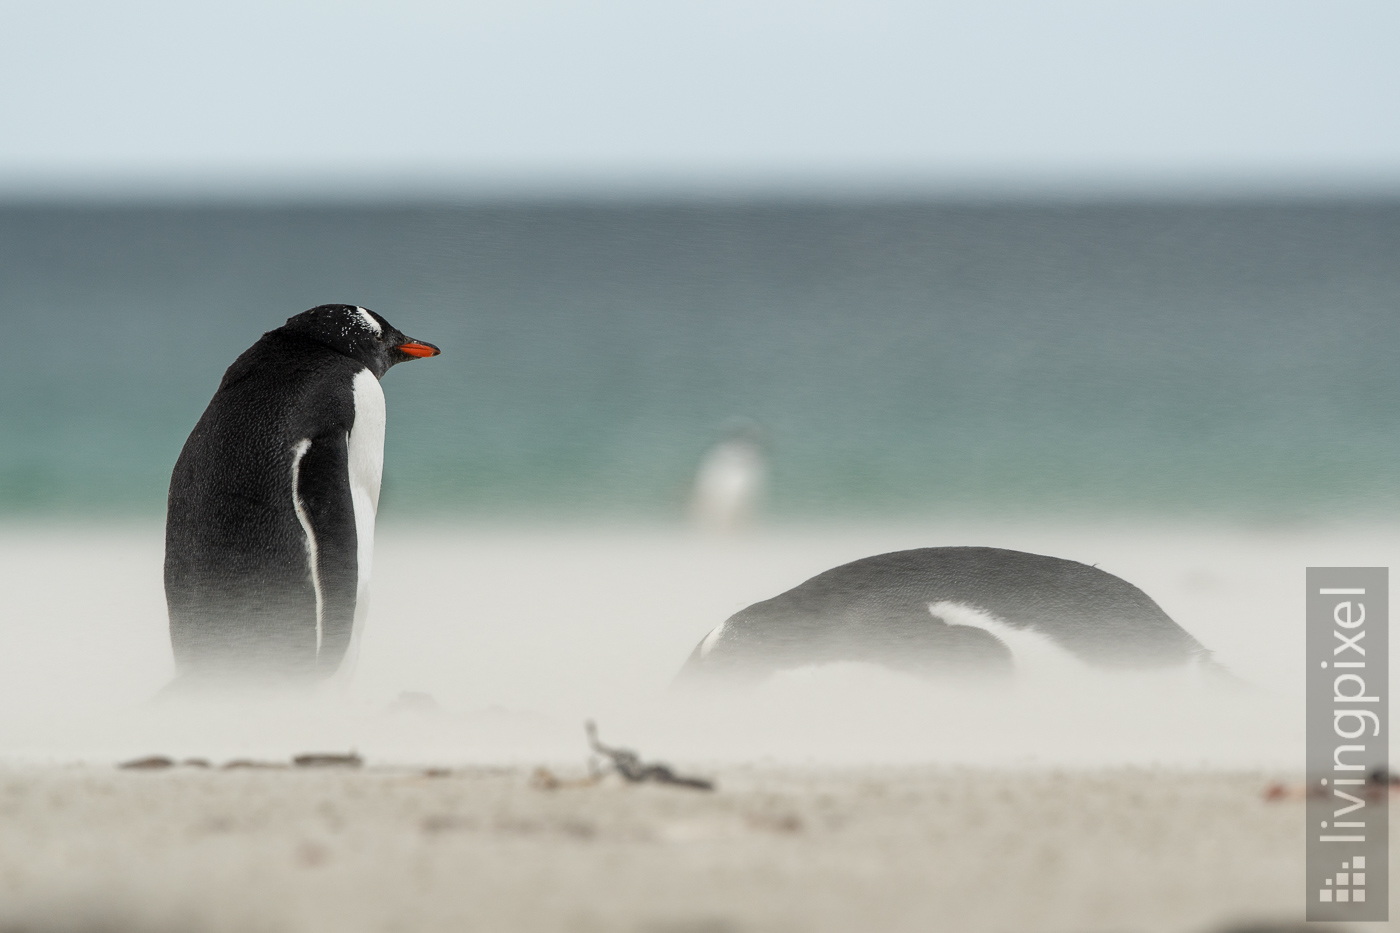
731, 479
269, 530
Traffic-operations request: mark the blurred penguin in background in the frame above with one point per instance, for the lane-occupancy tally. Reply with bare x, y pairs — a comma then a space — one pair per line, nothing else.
731, 480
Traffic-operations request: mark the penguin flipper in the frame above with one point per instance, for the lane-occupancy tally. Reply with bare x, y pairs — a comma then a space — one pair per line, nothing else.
323, 491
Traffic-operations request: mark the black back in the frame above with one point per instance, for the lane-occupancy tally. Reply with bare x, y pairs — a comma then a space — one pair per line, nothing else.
877, 609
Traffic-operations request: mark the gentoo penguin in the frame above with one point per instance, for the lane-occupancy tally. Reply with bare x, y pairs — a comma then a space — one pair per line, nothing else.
731, 479
270, 525
947, 610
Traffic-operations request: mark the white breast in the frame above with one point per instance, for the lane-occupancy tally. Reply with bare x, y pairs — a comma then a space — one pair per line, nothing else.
366, 443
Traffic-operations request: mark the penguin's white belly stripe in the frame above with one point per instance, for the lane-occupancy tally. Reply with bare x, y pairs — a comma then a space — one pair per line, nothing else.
366, 456
312, 561
1032, 651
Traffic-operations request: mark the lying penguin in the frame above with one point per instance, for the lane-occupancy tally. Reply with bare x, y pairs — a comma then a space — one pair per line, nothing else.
269, 530
947, 611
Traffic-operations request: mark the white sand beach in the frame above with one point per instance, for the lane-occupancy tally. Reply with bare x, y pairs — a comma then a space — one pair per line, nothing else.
849, 798
878, 848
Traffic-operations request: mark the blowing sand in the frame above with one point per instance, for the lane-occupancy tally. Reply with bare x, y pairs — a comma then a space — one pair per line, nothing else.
850, 798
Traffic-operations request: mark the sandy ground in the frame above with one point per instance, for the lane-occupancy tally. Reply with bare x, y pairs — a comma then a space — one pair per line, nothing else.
850, 799
817, 849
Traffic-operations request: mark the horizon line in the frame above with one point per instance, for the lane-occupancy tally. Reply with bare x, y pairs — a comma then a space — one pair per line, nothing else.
448, 189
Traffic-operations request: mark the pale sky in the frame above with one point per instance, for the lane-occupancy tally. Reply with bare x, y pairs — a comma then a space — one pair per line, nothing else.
157, 95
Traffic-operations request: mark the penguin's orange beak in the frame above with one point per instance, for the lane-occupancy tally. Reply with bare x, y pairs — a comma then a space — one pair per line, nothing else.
420, 350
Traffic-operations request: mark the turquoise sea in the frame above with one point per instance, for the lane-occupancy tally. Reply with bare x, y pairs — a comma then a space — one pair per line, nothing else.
904, 359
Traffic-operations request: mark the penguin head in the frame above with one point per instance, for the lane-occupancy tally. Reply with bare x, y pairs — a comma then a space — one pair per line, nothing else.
360, 334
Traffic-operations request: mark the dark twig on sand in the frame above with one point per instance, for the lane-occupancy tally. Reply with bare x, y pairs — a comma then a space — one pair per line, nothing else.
630, 765
149, 763
328, 760
313, 760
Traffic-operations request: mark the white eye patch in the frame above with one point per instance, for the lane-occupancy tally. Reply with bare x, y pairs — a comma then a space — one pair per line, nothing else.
370, 322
